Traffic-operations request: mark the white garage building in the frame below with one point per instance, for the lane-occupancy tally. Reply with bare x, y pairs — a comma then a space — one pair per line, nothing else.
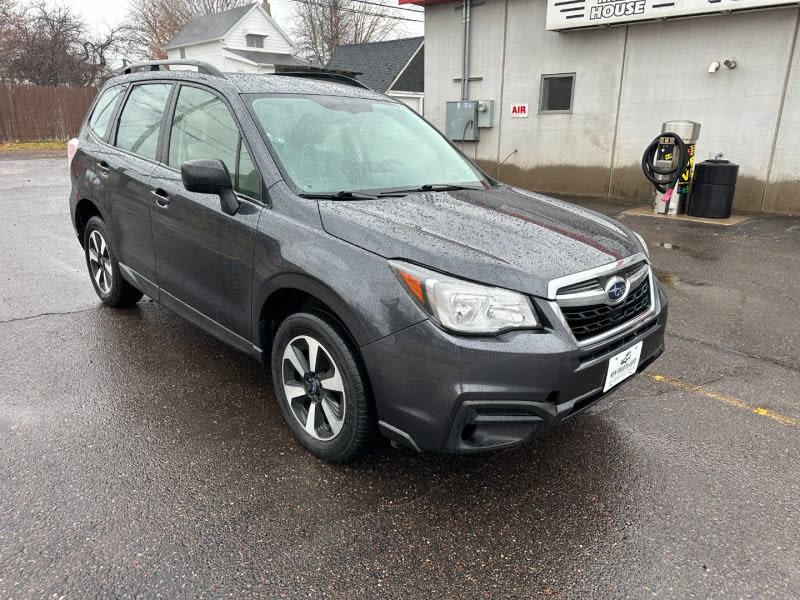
591, 81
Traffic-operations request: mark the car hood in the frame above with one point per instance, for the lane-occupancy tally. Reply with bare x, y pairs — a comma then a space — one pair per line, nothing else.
502, 236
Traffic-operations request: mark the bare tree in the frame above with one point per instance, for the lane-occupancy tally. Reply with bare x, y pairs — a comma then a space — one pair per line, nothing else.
8, 20
50, 45
152, 23
6, 14
324, 25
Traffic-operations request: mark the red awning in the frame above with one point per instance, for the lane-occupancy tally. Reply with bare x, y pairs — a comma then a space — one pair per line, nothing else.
424, 2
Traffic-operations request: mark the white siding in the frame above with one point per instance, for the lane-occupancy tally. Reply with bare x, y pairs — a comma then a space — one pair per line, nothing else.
239, 66
256, 22
414, 101
210, 52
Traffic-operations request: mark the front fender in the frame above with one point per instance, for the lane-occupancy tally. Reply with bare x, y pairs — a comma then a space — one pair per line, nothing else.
356, 285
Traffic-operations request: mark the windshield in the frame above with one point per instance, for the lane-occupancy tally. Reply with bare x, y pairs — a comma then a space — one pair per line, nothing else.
330, 144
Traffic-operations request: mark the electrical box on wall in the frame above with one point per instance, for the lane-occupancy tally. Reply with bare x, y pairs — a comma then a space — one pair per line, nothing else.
461, 121
485, 113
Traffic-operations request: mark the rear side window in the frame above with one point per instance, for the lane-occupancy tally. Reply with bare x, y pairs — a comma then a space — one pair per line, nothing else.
104, 110
140, 121
203, 127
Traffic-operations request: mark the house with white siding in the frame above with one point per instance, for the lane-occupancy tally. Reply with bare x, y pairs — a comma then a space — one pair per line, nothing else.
240, 40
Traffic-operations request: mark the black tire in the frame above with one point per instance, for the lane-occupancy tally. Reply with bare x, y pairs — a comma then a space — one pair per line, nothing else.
342, 425
101, 260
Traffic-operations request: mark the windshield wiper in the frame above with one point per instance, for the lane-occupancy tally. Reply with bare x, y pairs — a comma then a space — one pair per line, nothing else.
343, 195
430, 187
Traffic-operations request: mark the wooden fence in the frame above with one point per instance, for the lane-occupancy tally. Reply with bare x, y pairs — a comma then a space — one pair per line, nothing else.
29, 112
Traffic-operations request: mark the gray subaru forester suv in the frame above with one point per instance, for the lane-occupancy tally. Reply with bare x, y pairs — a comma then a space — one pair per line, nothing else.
333, 234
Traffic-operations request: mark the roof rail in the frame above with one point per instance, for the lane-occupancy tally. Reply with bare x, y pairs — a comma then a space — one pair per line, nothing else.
327, 76
155, 65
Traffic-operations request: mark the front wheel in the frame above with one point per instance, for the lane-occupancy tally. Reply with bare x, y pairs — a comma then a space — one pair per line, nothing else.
320, 388
107, 280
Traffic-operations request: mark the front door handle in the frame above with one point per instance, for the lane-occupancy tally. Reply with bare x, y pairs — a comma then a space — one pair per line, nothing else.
103, 167
162, 197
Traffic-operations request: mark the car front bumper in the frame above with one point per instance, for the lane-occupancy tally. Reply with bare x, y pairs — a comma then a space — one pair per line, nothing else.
444, 393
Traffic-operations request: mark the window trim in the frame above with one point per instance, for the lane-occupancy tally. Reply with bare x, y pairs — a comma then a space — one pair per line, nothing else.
542, 110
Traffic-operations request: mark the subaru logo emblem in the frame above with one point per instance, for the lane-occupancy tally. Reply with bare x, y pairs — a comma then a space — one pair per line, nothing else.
616, 289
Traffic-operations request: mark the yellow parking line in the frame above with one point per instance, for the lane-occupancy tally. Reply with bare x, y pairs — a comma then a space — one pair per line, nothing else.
764, 412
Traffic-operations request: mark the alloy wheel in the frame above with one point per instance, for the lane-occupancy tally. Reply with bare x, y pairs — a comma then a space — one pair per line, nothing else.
314, 388
100, 262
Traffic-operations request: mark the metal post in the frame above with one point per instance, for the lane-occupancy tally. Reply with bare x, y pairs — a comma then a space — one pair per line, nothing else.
465, 15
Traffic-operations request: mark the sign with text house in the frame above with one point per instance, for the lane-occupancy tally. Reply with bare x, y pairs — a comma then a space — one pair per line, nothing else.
574, 14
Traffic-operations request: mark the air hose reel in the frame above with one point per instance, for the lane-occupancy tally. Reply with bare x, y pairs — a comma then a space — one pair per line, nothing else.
658, 163
667, 163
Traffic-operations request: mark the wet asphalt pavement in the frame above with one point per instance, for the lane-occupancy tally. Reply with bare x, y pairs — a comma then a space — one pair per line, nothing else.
141, 458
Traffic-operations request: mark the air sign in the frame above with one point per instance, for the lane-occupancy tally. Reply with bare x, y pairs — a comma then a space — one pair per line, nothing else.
519, 111
574, 14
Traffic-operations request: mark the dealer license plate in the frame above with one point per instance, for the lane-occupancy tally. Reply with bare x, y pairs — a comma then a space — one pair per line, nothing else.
622, 365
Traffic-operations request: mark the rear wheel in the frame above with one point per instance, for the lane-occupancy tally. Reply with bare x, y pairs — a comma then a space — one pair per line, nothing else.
321, 389
107, 280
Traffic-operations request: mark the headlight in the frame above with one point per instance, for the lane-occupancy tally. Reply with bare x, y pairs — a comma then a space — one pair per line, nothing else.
643, 243
462, 306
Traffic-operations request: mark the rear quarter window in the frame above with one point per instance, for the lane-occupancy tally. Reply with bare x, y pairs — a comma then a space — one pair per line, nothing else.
104, 111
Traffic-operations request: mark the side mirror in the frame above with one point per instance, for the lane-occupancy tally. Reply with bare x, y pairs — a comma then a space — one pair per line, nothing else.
210, 176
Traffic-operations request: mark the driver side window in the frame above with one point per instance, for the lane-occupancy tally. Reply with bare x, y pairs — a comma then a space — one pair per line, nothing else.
203, 127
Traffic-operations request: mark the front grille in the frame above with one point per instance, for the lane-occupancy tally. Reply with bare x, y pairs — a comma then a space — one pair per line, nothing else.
598, 282
590, 321
608, 349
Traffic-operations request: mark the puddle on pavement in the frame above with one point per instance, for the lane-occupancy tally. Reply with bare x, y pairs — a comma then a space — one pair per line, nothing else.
664, 277
671, 280
693, 249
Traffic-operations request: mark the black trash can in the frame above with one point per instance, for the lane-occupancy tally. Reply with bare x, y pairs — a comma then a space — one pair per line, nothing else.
713, 189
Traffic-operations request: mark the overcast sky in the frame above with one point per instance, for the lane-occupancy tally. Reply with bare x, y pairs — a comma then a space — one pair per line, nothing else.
111, 12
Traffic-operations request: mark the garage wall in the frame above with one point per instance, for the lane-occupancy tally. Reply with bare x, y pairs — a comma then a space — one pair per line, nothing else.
628, 80
550, 146
443, 64
737, 108
783, 192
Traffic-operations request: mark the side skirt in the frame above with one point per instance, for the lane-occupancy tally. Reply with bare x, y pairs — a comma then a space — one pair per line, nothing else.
190, 314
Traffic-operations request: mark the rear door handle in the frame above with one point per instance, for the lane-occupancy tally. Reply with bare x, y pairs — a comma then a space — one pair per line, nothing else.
103, 167
162, 198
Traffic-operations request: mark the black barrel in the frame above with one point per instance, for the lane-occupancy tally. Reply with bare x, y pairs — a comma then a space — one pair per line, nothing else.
713, 189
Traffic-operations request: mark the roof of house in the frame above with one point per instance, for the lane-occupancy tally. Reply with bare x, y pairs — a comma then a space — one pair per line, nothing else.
208, 27
379, 63
267, 58
412, 79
